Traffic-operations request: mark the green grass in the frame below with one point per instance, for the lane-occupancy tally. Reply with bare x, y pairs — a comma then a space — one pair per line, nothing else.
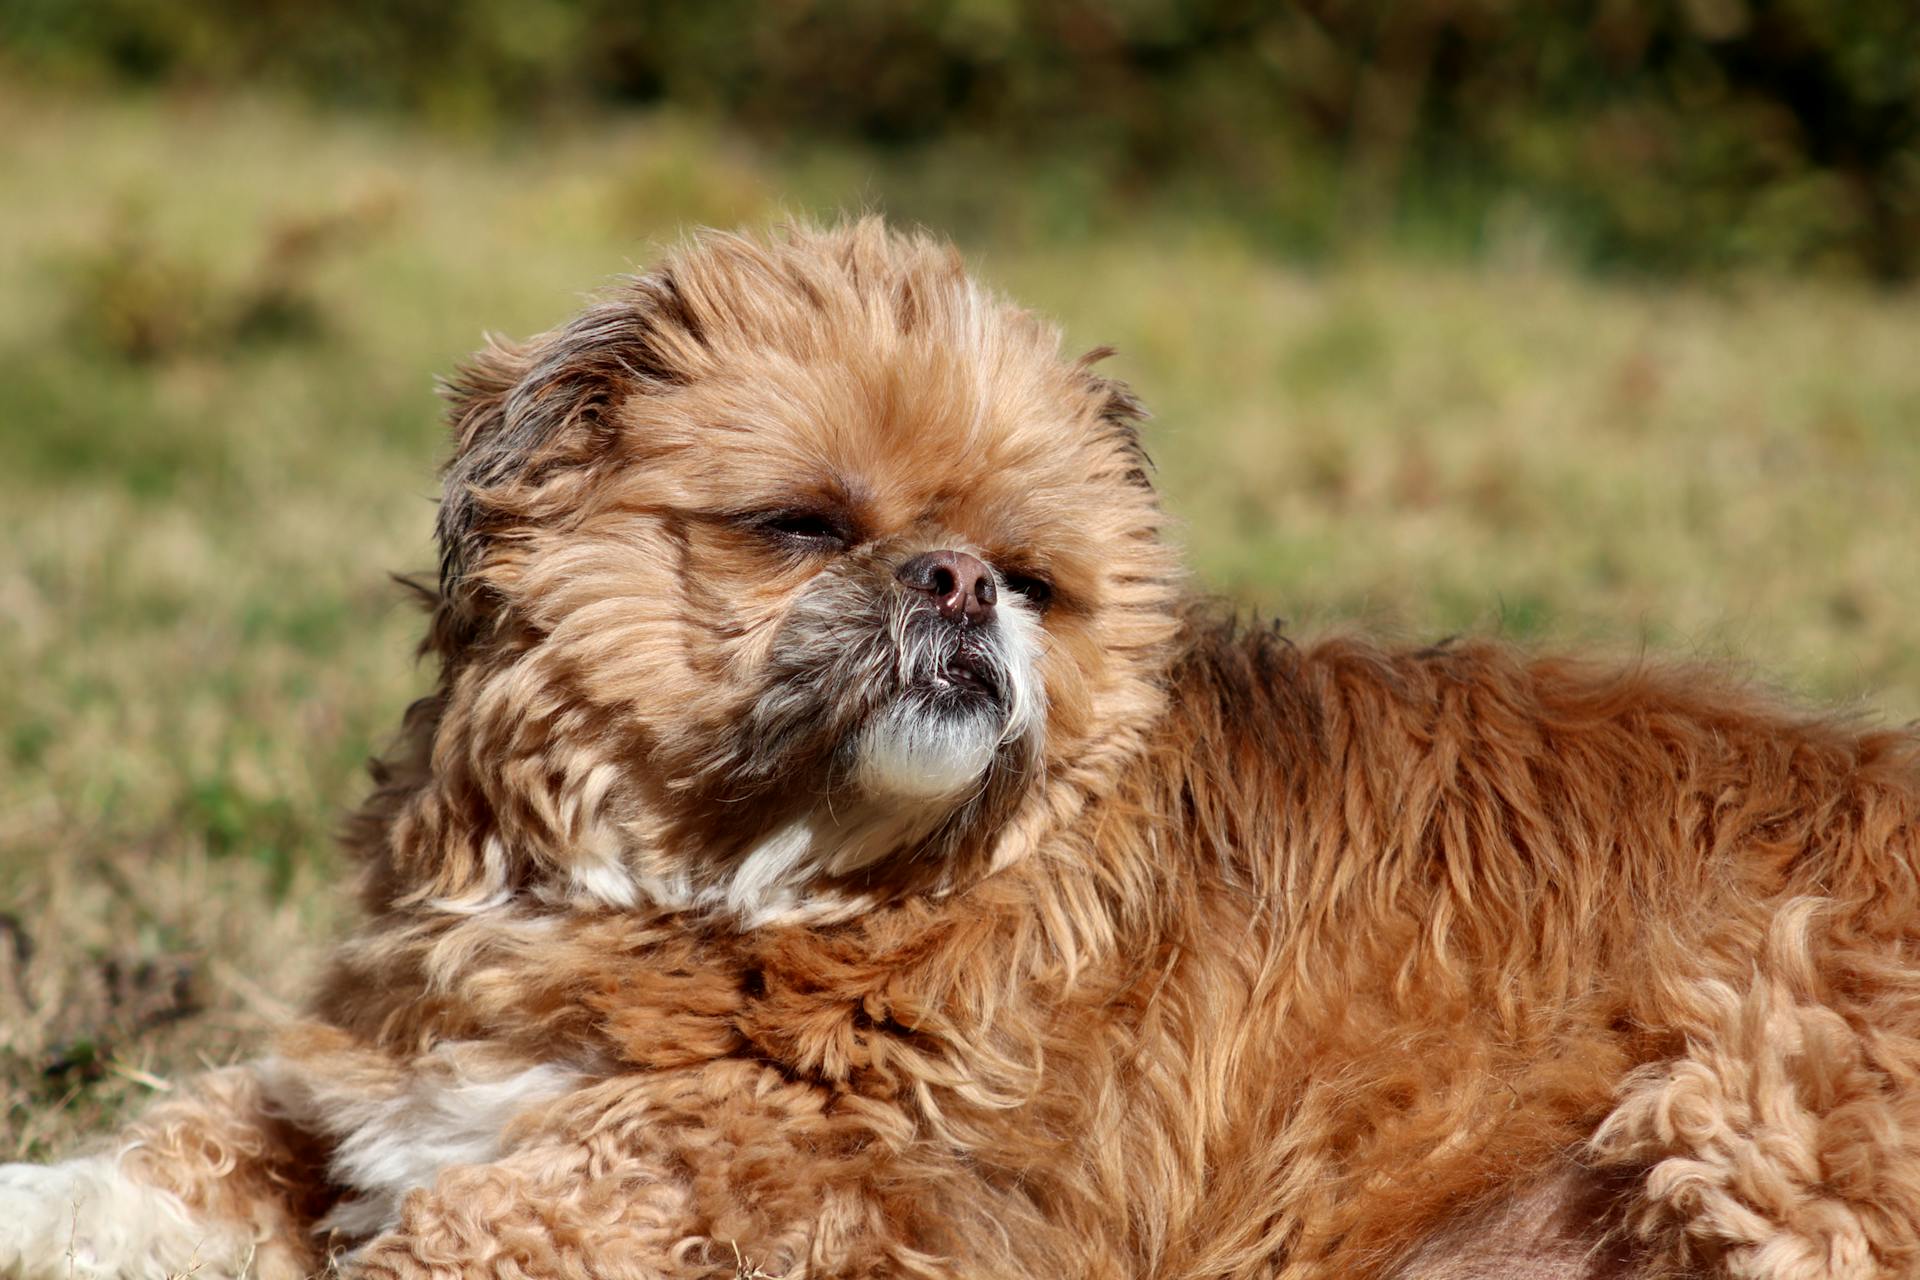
220, 321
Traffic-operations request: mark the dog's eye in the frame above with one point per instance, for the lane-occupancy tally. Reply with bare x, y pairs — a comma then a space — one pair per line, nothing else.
1038, 591
811, 530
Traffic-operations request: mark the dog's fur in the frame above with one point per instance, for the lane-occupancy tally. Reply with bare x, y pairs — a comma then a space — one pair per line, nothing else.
704, 939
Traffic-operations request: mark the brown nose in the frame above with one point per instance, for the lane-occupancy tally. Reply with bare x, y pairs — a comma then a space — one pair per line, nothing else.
960, 585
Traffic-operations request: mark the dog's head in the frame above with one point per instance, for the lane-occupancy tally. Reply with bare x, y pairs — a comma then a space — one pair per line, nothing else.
792, 574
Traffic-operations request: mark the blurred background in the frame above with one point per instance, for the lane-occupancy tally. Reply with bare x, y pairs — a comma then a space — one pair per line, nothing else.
1586, 324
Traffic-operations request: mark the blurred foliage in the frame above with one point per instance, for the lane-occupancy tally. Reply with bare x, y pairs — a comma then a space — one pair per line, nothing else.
1647, 134
133, 295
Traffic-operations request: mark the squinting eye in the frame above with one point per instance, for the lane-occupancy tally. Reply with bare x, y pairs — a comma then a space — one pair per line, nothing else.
806, 529
1037, 590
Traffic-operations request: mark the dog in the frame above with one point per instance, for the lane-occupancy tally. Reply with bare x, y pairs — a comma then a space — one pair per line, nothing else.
841, 844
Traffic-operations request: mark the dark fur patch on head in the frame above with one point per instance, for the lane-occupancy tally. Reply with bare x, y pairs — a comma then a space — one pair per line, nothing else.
1122, 413
520, 412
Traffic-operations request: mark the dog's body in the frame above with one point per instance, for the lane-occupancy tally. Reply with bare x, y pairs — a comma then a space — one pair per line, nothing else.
836, 849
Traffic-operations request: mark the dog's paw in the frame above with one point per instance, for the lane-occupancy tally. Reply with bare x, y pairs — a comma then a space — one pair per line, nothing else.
36, 1204
87, 1220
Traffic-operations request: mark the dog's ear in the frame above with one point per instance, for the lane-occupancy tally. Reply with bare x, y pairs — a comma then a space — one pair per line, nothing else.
1121, 413
529, 419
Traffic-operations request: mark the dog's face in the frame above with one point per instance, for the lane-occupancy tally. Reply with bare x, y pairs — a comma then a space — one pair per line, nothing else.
796, 574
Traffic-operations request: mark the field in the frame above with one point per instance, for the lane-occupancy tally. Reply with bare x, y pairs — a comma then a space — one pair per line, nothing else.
220, 321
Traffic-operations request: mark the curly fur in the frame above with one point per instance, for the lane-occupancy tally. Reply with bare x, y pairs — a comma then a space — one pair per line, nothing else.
1241, 957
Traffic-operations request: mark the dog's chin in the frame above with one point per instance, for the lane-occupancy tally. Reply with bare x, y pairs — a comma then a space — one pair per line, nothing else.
932, 743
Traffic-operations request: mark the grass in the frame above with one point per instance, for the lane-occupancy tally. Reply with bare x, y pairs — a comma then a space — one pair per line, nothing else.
219, 324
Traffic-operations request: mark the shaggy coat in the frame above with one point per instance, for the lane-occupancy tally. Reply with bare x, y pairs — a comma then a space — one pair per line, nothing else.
1233, 957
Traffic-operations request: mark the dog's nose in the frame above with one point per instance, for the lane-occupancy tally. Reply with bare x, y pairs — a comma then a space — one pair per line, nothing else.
960, 586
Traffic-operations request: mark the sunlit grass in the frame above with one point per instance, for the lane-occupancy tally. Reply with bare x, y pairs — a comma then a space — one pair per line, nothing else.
219, 326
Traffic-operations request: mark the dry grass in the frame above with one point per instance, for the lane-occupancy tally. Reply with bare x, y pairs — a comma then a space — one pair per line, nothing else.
218, 328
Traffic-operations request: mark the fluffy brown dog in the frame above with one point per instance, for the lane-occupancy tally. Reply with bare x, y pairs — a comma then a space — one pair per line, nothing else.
838, 848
